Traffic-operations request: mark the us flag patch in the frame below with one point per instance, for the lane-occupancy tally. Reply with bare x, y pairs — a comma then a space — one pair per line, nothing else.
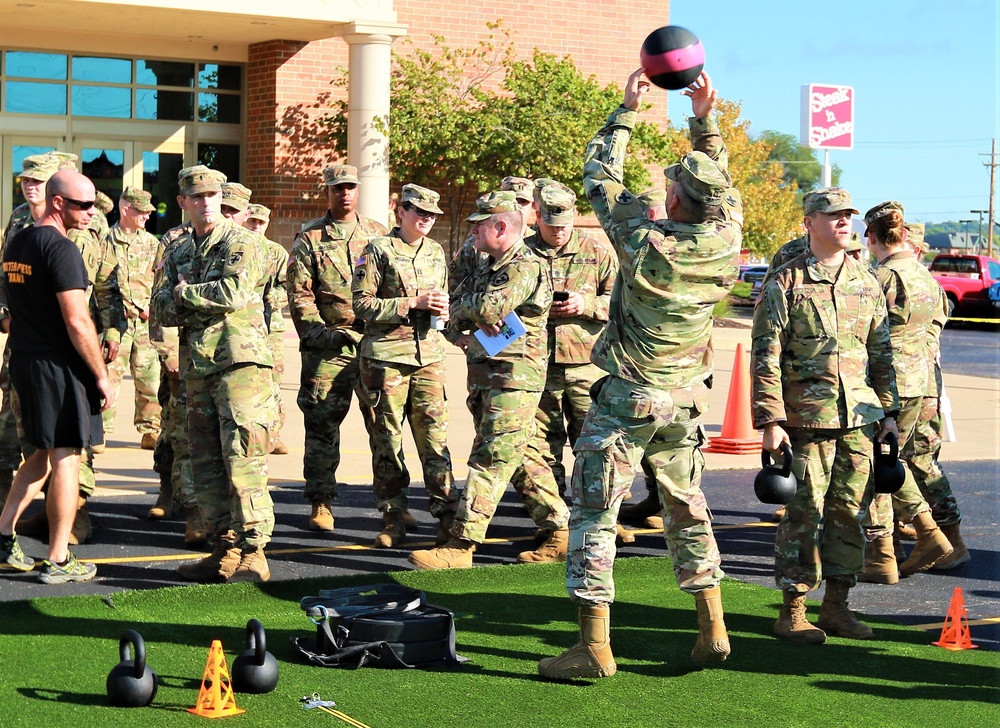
361, 261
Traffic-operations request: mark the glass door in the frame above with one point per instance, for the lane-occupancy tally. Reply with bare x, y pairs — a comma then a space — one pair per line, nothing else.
159, 165
107, 163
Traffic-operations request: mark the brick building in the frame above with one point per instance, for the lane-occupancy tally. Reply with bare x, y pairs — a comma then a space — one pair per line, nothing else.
140, 90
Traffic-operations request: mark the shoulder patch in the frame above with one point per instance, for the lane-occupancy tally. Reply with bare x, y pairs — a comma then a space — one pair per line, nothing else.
500, 279
235, 258
625, 197
361, 261
359, 274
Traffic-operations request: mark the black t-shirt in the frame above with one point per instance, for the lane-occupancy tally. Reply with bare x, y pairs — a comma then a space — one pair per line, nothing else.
40, 262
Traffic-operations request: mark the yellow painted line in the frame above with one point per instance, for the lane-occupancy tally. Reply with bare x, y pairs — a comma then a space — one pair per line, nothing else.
977, 320
972, 623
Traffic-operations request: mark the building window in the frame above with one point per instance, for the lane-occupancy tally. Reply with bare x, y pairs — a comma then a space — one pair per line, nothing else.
222, 157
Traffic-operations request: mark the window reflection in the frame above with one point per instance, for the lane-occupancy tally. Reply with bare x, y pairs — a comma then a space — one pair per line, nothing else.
104, 101
159, 104
164, 73
25, 97
36, 65
219, 108
159, 178
213, 75
102, 70
105, 168
222, 157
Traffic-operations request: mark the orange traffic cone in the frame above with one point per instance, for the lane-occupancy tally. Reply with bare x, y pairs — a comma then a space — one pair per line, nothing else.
955, 633
738, 436
215, 698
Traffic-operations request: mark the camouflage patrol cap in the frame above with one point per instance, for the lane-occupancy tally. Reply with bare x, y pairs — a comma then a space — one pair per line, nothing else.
340, 174
493, 203
188, 171
700, 177
202, 180
422, 198
138, 198
236, 196
915, 235
102, 202
557, 205
827, 199
39, 167
259, 212
522, 187
67, 160
855, 244
881, 210
550, 183
652, 198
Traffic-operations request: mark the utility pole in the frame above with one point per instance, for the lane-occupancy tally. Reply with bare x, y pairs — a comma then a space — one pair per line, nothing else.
979, 240
992, 164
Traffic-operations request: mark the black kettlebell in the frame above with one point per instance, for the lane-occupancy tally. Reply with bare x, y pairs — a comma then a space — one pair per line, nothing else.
889, 473
131, 683
255, 670
775, 484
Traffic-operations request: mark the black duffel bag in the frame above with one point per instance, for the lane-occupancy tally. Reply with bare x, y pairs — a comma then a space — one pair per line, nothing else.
379, 625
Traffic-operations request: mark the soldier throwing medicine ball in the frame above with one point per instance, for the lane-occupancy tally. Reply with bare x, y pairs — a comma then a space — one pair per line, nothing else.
823, 383
654, 349
400, 283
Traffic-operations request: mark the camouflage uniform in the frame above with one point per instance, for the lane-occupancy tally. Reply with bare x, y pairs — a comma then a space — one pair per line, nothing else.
821, 366
319, 295
588, 267
402, 367
221, 316
135, 256
916, 308
654, 351
505, 389
275, 300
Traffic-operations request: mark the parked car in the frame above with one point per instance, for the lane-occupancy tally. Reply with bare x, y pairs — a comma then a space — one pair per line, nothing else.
754, 275
966, 280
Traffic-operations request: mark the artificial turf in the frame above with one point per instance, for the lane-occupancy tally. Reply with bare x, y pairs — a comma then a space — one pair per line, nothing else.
55, 655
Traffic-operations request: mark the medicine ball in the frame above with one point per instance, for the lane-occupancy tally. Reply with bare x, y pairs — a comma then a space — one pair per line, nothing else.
672, 57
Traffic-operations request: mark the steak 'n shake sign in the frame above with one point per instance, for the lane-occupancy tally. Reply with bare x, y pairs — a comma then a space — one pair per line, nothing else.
827, 116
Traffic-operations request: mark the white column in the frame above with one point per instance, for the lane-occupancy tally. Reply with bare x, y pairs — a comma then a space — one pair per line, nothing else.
370, 63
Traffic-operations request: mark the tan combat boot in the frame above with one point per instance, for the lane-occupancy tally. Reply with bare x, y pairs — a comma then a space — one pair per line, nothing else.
279, 448
779, 514
713, 639
252, 567
321, 518
906, 531
836, 618
393, 530
591, 657
932, 546
880, 562
792, 623
164, 506
961, 553
622, 535
456, 554
636, 512
553, 550
195, 530
148, 441
218, 566
81, 531
654, 522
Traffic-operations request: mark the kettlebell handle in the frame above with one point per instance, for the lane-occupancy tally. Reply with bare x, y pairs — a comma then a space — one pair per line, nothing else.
893, 443
256, 641
133, 638
787, 457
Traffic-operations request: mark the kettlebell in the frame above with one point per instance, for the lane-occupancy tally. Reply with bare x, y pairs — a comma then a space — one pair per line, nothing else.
889, 473
255, 670
131, 683
775, 484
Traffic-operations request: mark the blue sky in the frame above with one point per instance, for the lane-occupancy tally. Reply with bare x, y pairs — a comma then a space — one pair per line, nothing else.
926, 83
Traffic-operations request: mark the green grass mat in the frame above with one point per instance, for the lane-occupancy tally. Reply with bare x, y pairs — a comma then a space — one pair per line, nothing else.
55, 655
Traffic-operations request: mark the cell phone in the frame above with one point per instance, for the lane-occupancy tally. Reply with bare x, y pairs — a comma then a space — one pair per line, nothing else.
560, 295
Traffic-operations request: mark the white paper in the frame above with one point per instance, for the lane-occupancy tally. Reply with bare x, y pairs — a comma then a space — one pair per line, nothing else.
511, 329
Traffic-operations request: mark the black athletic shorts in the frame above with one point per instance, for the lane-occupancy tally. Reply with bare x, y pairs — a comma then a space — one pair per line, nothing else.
52, 393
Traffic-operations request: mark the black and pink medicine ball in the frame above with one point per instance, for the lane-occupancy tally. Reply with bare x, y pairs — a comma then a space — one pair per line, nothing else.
672, 57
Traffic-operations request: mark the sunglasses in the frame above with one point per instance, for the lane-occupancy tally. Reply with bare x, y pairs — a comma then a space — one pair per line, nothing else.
82, 204
423, 214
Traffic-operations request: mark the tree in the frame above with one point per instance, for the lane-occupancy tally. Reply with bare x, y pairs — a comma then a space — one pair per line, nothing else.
802, 165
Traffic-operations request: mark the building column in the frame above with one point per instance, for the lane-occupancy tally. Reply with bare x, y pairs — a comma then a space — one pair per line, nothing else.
369, 65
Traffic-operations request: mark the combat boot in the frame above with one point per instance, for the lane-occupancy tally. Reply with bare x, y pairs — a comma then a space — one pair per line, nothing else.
252, 567
932, 546
393, 530
961, 553
81, 531
713, 640
897, 547
164, 506
622, 535
835, 617
591, 657
279, 448
906, 531
654, 522
880, 562
636, 512
218, 566
792, 623
147, 442
195, 530
445, 522
779, 514
410, 521
321, 518
552, 551
456, 554
6, 481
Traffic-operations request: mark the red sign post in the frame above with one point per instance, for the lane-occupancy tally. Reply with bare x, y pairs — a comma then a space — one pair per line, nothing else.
828, 116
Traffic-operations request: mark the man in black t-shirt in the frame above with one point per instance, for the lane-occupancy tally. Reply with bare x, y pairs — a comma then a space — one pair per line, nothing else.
57, 370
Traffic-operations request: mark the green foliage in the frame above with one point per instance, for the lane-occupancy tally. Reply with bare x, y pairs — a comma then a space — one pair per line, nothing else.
742, 290
802, 164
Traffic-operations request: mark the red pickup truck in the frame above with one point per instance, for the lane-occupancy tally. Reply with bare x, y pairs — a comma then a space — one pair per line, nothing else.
966, 280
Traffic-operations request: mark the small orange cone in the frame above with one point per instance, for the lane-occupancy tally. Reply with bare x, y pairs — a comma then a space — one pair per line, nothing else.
955, 633
738, 435
215, 698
